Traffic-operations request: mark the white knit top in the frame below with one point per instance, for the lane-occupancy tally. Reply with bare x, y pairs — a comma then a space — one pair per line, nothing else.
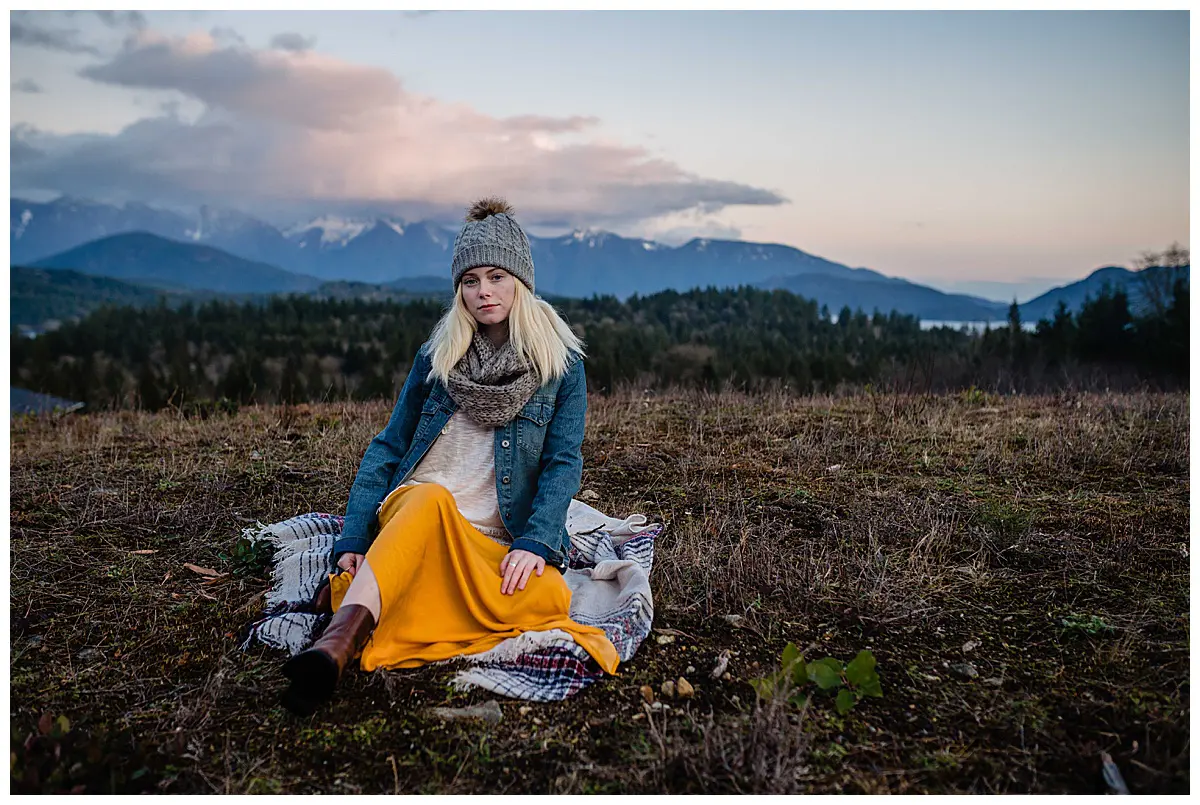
461, 459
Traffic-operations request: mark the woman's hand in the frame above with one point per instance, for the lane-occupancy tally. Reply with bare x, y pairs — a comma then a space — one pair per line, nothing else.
351, 562
516, 567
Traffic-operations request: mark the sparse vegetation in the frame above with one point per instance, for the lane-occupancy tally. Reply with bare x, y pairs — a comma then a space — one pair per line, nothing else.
977, 550
850, 682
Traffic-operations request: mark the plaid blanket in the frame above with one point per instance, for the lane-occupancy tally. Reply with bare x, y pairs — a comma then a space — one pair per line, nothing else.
608, 573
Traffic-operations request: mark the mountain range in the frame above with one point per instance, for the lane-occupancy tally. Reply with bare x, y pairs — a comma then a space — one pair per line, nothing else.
231, 252
42, 298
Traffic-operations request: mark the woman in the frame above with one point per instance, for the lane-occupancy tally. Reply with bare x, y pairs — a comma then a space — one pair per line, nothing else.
455, 531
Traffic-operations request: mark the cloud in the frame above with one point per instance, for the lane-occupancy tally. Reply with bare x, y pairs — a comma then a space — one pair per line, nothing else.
121, 19
226, 36
303, 89
27, 86
550, 125
36, 29
293, 42
281, 127
64, 40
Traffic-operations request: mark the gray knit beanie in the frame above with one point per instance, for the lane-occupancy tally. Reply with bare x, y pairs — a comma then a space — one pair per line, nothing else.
492, 237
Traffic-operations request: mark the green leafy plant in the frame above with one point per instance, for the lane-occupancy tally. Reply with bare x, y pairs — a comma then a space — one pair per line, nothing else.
976, 396
250, 558
848, 682
1092, 624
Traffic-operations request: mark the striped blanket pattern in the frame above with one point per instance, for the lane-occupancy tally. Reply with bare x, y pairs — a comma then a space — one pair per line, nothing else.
608, 572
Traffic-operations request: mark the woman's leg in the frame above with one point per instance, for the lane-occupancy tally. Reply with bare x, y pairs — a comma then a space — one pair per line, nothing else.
364, 590
314, 673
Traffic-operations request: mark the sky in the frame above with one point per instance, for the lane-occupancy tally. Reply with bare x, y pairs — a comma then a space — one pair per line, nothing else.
974, 151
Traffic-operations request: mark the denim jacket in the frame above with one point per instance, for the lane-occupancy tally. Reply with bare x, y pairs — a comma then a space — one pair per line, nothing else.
538, 457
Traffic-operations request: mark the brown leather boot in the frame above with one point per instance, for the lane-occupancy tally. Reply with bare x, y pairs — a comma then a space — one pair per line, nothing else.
315, 672
322, 600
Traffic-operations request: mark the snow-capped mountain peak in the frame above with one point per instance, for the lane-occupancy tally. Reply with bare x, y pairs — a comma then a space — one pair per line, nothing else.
437, 234
592, 237
337, 231
334, 231
212, 222
18, 229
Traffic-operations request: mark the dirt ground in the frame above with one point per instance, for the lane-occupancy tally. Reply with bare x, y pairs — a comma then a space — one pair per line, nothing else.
1017, 565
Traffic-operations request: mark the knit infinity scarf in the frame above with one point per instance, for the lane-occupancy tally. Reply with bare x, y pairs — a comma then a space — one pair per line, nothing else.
491, 384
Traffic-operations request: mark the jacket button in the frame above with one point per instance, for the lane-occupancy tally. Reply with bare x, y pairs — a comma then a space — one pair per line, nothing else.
504, 480
504, 443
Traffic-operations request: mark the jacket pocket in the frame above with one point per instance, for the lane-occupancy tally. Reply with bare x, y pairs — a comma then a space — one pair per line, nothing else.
531, 421
429, 410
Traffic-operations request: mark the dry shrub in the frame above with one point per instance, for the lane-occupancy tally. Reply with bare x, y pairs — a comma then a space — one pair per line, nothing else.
762, 752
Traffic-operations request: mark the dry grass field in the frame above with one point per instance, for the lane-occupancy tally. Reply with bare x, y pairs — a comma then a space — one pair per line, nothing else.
1017, 565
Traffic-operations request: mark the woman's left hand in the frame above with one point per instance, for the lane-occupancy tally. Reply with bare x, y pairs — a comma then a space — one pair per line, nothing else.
516, 568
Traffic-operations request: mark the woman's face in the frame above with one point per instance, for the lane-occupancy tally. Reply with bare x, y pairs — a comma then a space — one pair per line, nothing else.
488, 293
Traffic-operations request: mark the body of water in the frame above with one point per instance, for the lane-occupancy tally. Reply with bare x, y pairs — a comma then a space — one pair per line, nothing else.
975, 326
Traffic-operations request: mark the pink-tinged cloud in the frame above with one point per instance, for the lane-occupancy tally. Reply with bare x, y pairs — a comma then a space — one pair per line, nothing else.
293, 125
302, 88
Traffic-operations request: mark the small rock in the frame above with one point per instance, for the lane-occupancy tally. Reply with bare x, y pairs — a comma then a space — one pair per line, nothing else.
684, 688
994, 681
656, 706
970, 646
735, 620
589, 494
490, 711
647, 693
722, 664
525, 710
668, 688
1112, 775
726, 676
691, 669
965, 670
90, 654
833, 468
255, 454
664, 639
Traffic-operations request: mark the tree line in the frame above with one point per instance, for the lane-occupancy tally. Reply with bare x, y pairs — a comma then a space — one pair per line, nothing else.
297, 348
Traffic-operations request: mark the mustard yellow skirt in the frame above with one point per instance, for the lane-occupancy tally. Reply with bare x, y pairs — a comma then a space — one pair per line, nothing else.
439, 584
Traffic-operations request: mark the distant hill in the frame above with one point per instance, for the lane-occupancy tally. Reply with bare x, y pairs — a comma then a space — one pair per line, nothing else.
39, 296
888, 294
1074, 294
427, 283
152, 260
400, 290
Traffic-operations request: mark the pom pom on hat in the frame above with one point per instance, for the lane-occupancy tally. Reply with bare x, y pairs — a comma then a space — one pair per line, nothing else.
492, 205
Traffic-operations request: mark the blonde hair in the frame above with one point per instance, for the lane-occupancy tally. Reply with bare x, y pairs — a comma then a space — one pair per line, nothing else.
535, 329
